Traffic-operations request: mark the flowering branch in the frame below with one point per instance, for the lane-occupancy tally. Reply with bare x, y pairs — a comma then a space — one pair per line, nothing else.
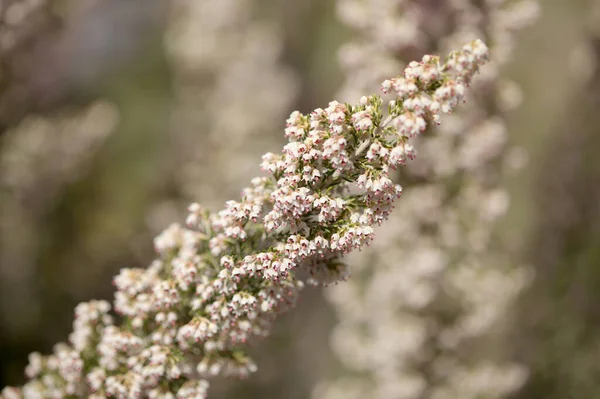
221, 282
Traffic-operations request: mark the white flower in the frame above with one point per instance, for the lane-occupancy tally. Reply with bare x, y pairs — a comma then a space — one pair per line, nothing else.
220, 283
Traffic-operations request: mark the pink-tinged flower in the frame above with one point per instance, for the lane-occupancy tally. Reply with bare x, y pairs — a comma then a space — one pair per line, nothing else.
221, 282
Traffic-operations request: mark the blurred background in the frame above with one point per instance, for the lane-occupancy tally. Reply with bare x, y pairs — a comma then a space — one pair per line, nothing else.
114, 115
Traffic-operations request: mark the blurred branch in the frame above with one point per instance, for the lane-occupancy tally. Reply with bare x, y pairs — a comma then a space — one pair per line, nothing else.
54, 52
63, 228
27, 29
560, 316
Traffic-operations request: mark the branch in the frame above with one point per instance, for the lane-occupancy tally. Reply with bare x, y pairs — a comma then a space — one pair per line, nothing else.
221, 282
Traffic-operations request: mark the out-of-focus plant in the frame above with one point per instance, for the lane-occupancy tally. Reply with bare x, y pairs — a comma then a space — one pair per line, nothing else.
38, 158
230, 88
429, 297
559, 316
220, 283
27, 28
60, 160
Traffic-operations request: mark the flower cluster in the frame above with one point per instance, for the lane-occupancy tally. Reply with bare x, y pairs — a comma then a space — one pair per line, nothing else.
220, 282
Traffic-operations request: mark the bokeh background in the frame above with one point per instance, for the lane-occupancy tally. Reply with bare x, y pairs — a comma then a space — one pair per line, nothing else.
114, 115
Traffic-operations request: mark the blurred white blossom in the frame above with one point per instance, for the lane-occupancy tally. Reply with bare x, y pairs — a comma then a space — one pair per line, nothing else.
232, 91
430, 293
